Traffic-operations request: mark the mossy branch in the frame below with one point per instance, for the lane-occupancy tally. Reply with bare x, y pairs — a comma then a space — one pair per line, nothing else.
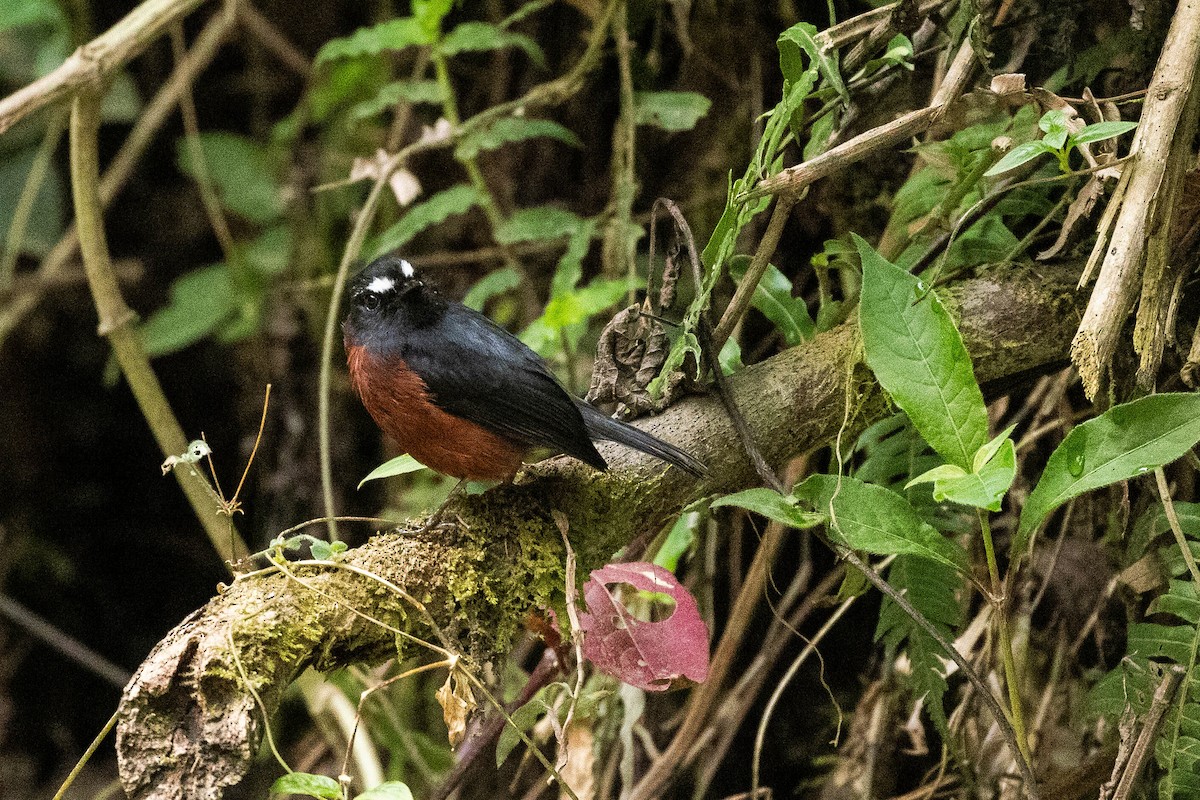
506, 558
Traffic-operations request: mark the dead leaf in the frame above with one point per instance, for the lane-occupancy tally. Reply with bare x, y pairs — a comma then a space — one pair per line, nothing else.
457, 702
648, 655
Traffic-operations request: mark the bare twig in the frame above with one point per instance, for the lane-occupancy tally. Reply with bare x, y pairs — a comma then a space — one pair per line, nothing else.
65, 644
272, 39
1143, 747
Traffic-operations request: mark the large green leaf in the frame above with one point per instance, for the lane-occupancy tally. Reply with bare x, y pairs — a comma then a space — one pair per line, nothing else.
1126, 441
537, 224
773, 297
877, 520
919, 357
512, 129
395, 34
320, 786
671, 111
478, 36
241, 172
400, 465
436, 209
201, 301
783, 509
801, 40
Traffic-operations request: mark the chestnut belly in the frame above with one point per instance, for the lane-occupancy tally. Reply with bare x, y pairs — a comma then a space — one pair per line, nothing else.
400, 403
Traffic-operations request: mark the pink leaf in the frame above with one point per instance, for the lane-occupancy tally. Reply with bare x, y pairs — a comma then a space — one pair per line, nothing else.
648, 655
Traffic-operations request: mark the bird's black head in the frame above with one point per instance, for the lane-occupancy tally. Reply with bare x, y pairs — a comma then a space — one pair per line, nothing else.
387, 298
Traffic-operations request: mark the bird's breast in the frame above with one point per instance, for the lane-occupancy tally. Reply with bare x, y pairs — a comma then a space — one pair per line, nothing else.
401, 404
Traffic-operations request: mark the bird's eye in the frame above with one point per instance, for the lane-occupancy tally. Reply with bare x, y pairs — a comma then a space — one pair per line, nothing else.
370, 300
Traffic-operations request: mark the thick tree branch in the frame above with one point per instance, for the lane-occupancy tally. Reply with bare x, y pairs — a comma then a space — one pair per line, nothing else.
188, 726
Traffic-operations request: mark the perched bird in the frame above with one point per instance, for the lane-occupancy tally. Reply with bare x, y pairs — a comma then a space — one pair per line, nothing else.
459, 393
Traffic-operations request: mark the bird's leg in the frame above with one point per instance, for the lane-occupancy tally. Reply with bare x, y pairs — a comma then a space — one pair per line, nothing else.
435, 519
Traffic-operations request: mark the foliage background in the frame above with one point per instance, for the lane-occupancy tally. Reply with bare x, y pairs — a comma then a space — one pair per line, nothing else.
104, 548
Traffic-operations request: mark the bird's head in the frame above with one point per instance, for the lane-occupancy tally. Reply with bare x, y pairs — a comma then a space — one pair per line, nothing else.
387, 298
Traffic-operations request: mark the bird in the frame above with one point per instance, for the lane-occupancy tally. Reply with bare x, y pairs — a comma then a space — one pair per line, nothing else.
461, 394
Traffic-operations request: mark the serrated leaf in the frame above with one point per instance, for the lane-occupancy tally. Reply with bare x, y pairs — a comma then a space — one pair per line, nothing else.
391, 94
1181, 600
918, 356
421, 216
671, 111
308, 784
490, 285
802, 38
201, 301
479, 36
512, 129
1126, 441
400, 465
772, 505
395, 34
1099, 131
540, 223
1171, 642
773, 298
391, 790
934, 592
879, 521
1019, 155
241, 172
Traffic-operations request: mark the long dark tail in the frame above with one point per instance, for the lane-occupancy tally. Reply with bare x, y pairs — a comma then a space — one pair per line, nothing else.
601, 426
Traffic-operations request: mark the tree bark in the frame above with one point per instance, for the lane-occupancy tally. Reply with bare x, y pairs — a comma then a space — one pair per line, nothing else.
188, 726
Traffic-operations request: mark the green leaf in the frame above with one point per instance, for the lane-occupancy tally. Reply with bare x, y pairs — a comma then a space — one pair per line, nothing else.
879, 521
799, 39
938, 473
985, 488
1126, 441
271, 252
512, 129
522, 720
391, 790
1099, 131
986, 453
936, 593
241, 173
400, 465
490, 285
539, 223
671, 111
429, 15
773, 298
388, 96
918, 356
681, 539
1056, 127
421, 216
1180, 600
307, 784
478, 36
47, 218
395, 34
1018, 156
15, 13
772, 505
201, 301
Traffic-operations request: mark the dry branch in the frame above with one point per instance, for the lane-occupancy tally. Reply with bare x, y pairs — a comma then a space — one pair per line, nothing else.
187, 726
1119, 283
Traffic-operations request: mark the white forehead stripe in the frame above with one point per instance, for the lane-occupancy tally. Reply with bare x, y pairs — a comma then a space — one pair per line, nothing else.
381, 285
407, 269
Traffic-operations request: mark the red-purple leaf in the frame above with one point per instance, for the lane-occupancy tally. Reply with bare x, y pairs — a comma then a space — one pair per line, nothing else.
648, 655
